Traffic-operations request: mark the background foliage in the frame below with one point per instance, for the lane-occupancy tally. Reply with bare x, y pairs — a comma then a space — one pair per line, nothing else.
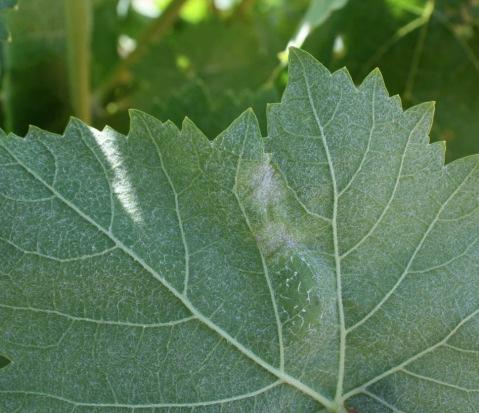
212, 59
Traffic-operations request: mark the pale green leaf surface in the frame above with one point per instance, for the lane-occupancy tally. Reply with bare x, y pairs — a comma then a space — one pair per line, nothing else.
333, 262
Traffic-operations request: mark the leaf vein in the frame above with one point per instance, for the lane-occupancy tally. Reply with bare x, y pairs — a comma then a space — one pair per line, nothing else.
337, 258
99, 321
150, 405
364, 386
386, 297
49, 257
383, 402
177, 208
368, 146
391, 197
440, 382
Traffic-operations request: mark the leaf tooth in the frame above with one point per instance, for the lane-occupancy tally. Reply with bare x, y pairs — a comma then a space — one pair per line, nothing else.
422, 116
375, 79
242, 137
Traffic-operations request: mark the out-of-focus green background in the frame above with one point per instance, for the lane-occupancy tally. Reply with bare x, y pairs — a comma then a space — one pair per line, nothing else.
211, 59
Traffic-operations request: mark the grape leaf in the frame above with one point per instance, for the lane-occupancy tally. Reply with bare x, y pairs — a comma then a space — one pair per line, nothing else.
425, 49
237, 61
212, 113
240, 55
332, 265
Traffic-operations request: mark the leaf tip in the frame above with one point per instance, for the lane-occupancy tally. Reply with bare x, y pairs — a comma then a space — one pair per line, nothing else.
135, 114
139, 117
375, 77
188, 124
297, 55
250, 115
344, 72
73, 123
425, 109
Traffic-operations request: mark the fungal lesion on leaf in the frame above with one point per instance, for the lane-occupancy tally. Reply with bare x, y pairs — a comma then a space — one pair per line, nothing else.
263, 193
274, 236
266, 186
278, 223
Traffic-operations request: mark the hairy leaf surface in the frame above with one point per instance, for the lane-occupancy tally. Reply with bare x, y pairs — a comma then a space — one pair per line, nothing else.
331, 265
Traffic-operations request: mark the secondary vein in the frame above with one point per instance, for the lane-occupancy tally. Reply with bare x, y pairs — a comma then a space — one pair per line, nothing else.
177, 208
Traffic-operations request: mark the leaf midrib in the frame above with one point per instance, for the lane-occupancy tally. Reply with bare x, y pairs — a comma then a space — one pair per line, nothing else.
281, 375
337, 257
340, 397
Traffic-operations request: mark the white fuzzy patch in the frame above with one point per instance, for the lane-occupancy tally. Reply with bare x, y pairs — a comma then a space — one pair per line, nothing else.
274, 236
268, 196
267, 188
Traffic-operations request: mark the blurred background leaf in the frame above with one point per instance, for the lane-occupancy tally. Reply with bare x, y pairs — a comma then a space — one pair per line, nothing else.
426, 50
211, 59
35, 83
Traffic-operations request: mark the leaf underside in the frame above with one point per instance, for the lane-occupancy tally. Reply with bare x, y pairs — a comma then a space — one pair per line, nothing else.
331, 265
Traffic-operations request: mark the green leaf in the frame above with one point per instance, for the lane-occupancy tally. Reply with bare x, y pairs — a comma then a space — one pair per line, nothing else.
238, 56
425, 49
212, 113
236, 61
331, 265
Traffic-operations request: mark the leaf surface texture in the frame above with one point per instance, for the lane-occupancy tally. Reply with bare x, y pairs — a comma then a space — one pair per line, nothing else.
331, 264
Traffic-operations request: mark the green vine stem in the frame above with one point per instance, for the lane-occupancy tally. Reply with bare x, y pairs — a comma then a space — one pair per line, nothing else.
78, 26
